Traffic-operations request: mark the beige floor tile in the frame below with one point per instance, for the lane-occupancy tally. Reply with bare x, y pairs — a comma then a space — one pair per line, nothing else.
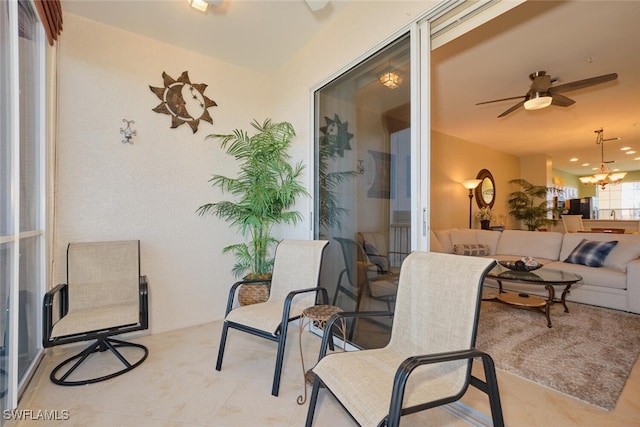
178, 386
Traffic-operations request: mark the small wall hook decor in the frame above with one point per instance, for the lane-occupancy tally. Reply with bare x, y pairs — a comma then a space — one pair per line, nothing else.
128, 132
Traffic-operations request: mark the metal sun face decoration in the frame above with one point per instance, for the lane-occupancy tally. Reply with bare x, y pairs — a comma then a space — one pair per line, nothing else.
183, 101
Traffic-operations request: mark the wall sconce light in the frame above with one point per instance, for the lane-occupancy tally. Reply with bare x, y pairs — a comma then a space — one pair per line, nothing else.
128, 132
470, 185
360, 167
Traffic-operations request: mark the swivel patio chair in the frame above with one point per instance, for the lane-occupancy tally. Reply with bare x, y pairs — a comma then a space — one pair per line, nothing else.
104, 296
428, 360
294, 287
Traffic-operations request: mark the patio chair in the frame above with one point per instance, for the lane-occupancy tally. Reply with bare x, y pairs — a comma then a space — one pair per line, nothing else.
294, 287
104, 296
357, 271
572, 223
428, 360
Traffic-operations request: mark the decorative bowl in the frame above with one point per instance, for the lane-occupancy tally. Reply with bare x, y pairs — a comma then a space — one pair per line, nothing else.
511, 265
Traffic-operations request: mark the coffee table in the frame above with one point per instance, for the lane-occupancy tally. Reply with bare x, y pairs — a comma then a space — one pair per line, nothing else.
541, 277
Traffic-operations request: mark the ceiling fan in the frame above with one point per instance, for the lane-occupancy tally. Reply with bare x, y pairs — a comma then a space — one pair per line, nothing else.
542, 94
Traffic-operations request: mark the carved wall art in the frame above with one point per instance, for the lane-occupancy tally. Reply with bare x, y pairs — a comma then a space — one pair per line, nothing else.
183, 101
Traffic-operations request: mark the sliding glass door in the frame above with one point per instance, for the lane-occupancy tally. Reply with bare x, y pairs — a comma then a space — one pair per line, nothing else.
363, 197
22, 198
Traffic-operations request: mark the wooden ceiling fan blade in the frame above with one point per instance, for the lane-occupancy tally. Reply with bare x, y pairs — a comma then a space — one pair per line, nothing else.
503, 99
561, 100
514, 108
579, 84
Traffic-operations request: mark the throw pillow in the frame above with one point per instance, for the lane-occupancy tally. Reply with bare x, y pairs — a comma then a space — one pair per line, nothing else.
472, 249
590, 253
380, 261
622, 254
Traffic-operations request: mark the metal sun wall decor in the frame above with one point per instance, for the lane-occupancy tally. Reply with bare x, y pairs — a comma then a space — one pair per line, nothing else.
336, 134
183, 101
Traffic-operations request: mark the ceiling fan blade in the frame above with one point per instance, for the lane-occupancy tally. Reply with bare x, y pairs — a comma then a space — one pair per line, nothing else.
503, 99
579, 84
561, 100
541, 83
515, 107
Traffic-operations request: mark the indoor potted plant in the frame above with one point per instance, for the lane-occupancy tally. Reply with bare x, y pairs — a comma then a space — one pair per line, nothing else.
484, 215
530, 204
264, 191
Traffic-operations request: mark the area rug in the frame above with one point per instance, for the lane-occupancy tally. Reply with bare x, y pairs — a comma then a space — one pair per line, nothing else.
588, 353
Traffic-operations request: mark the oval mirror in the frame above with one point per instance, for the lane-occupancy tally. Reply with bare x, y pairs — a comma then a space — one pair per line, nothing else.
486, 191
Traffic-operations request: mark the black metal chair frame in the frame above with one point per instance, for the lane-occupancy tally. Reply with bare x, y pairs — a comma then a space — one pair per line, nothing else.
281, 335
103, 340
357, 288
489, 387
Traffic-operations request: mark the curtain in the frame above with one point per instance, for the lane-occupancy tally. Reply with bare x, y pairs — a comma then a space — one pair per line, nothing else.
50, 13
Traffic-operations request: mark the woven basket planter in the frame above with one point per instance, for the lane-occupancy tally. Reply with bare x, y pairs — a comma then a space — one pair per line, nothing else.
252, 293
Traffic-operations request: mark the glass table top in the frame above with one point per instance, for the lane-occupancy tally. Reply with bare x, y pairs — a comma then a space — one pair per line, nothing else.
542, 275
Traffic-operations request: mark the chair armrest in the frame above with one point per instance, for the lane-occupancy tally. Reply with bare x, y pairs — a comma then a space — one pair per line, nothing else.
411, 363
57, 294
144, 301
232, 291
289, 299
346, 314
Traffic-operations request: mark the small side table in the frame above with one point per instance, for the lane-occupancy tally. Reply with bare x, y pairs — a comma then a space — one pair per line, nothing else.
319, 315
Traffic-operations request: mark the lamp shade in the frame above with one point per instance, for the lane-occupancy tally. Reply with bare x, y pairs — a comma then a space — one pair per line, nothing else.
470, 184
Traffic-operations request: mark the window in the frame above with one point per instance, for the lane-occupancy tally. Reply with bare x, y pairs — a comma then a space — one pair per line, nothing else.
22, 198
621, 201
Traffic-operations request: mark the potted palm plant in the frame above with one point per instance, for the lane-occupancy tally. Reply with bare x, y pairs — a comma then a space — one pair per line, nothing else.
264, 192
530, 205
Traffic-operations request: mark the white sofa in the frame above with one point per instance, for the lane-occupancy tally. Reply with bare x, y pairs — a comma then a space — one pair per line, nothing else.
614, 285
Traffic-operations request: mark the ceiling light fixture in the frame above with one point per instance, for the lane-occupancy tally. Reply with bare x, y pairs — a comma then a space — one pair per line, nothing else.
604, 175
537, 100
391, 79
203, 5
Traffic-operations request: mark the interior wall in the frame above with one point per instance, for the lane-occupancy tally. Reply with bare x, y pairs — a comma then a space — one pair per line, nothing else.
454, 160
107, 190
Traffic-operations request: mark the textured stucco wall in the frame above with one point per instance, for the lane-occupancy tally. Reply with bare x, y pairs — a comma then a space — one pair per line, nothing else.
107, 190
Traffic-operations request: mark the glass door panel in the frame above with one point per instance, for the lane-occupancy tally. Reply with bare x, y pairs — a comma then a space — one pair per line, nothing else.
363, 197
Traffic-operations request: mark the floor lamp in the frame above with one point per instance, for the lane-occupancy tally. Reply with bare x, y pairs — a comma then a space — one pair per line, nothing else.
470, 185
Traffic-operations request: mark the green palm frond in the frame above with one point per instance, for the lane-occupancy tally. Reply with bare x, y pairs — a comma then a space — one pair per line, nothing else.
265, 190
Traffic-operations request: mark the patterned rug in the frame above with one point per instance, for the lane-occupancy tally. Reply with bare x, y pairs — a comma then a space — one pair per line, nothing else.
588, 353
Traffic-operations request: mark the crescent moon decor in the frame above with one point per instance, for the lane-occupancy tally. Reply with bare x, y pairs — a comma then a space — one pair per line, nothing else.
184, 101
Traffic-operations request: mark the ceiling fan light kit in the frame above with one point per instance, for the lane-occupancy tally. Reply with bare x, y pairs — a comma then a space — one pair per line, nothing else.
538, 101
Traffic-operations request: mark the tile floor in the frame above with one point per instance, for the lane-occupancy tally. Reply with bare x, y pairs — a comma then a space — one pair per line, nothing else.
178, 386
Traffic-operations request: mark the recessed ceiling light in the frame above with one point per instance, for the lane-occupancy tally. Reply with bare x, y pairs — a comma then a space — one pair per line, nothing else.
637, 158
573, 159
585, 164
625, 148
630, 152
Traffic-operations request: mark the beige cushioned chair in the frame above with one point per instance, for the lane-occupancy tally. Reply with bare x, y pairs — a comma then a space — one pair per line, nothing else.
429, 357
572, 223
105, 295
294, 287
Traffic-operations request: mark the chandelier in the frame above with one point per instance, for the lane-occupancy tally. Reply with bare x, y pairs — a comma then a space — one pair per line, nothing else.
604, 175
